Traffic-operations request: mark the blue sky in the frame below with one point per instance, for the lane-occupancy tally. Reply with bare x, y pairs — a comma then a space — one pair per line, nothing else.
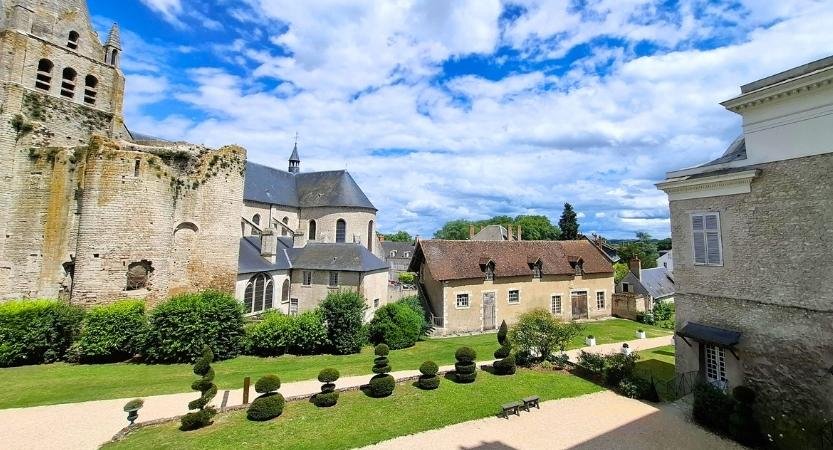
467, 109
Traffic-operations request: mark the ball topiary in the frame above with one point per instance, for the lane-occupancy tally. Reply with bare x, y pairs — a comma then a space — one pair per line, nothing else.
267, 384
429, 379
465, 369
429, 368
270, 403
465, 354
327, 397
203, 414
382, 384
328, 375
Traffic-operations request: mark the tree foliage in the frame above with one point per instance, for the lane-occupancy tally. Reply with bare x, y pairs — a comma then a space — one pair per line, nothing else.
620, 271
534, 227
539, 333
643, 248
568, 223
344, 315
664, 244
399, 236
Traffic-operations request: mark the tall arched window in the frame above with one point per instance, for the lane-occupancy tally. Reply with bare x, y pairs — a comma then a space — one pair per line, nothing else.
90, 89
341, 231
370, 235
43, 79
259, 295
68, 82
284, 229
285, 291
72, 41
312, 230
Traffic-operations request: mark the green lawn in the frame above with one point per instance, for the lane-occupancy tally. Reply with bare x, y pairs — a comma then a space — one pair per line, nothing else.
67, 383
657, 363
409, 410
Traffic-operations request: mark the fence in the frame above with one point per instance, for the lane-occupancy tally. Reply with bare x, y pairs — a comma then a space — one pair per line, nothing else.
681, 385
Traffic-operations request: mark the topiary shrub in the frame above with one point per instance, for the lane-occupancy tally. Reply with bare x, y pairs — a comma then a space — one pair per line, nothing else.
37, 331
113, 332
203, 414
742, 424
269, 404
465, 369
327, 397
396, 325
179, 328
382, 384
506, 363
344, 315
429, 379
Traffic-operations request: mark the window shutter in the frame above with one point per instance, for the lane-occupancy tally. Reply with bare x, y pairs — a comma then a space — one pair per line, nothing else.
713, 245
699, 236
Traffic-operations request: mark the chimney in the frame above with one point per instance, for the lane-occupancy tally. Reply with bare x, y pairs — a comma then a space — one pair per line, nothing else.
509, 227
268, 244
636, 267
381, 238
520, 236
471, 231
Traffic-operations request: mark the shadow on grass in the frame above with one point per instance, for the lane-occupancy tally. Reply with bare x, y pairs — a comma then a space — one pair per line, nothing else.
664, 352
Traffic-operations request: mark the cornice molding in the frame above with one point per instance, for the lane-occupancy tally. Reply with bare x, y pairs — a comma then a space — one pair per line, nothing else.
685, 188
788, 88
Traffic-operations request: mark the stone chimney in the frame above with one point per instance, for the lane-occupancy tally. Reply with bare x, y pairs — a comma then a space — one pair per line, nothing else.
520, 236
636, 267
471, 231
268, 244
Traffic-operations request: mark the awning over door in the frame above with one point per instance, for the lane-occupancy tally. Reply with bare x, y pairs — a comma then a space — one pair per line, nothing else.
710, 335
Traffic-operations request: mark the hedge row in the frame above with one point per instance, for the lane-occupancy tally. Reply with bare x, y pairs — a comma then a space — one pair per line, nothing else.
277, 333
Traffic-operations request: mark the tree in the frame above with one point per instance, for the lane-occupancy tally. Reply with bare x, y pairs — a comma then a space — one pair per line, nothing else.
203, 414
620, 271
395, 324
643, 248
537, 228
506, 360
568, 223
455, 230
344, 315
538, 332
399, 236
664, 244
407, 278
465, 369
429, 379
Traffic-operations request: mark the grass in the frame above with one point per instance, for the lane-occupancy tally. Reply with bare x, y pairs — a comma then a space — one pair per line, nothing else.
68, 383
409, 410
657, 363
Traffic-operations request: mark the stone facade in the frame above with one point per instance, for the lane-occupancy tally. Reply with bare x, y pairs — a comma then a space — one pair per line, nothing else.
82, 202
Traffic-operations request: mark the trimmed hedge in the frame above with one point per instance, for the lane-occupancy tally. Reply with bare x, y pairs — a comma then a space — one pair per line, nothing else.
429, 379
465, 369
113, 332
343, 313
179, 328
712, 407
327, 397
277, 333
396, 325
270, 403
382, 384
37, 331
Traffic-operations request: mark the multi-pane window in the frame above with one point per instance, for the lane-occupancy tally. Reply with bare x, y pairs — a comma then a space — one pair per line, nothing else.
333, 279
600, 300
307, 278
462, 300
341, 231
715, 365
514, 296
706, 239
293, 306
259, 294
555, 304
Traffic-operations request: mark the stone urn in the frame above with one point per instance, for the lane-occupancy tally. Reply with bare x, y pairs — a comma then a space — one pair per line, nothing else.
626, 350
590, 341
132, 409
640, 334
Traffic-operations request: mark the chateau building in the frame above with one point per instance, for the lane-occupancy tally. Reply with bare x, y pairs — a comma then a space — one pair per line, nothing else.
89, 211
752, 244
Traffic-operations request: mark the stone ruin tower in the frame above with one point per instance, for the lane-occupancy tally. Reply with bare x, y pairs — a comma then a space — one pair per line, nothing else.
89, 211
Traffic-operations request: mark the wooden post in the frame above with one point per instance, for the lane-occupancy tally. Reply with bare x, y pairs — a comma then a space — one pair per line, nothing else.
247, 382
225, 401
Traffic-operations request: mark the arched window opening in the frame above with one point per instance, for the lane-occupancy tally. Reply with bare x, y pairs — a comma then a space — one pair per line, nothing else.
72, 41
285, 228
259, 295
112, 58
285, 291
256, 219
341, 231
370, 235
312, 230
90, 89
43, 78
138, 274
68, 83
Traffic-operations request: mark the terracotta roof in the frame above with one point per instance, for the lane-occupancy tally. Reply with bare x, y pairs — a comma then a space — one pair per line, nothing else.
454, 260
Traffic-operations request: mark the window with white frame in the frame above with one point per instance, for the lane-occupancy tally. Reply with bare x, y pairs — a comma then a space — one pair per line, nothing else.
514, 296
333, 279
555, 304
600, 300
707, 243
307, 278
462, 300
293, 306
259, 294
715, 358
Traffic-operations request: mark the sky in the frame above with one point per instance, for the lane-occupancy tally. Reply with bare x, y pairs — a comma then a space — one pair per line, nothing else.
467, 109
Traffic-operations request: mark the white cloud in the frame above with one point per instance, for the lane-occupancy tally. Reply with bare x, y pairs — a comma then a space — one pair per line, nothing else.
170, 9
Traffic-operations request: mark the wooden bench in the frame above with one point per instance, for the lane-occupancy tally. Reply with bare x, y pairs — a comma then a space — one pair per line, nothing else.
531, 401
513, 407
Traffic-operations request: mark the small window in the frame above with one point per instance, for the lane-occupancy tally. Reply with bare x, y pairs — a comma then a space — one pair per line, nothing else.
370, 235
626, 287
706, 238
43, 78
489, 272
72, 41
341, 231
307, 278
112, 58
715, 358
138, 274
407, 255
514, 296
376, 302
333, 279
312, 230
68, 82
137, 164
393, 253
579, 268
600, 300
462, 300
293, 306
285, 228
90, 89
536, 270
555, 304
256, 219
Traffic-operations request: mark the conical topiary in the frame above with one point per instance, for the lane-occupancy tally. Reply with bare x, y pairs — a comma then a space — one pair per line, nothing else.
382, 384
203, 414
328, 396
269, 404
429, 379
465, 369
506, 361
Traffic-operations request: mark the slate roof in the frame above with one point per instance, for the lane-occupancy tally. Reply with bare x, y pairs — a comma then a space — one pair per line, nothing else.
307, 189
491, 233
657, 282
400, 247
250, 261
735, 152
314, 256
454, 260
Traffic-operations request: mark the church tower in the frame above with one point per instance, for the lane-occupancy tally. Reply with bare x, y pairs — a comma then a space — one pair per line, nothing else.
294, 160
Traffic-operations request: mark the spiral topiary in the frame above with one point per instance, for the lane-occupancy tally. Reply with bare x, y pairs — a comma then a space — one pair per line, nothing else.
429, 379
382, 384
269, 404
465, 369
203, 414
327, 397
506, 361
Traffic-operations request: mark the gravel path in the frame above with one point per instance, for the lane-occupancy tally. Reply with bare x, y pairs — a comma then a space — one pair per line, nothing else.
87, 425
602, 420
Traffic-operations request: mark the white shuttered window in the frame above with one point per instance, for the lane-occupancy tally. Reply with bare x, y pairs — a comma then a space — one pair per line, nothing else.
706, 236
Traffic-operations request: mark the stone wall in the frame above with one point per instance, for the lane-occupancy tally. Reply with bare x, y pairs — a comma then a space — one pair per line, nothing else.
627, 305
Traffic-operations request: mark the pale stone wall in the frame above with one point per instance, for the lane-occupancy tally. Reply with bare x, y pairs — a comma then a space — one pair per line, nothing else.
281, 303
357, 220
777, 270
375, 286
371, 285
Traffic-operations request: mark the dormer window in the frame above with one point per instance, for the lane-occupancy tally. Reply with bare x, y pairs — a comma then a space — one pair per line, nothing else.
393, 253
537, 267
577, 264
72, 41
407, 254
490, 273
488, 268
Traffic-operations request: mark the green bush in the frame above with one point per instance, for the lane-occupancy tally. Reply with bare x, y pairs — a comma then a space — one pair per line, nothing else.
270, 403
559, 361
647, 318
429, 379
113, 332
327, 397
267, 383
396, 325
712, 407
203, 414
269, 336
307, 333
742, 424
429, 368
619, 366
592, 362
634, 387
328, 375
37, 331
415, 303
382, 384
663, 310
506, 364
465, 369
465, 354
539, 332
344, 315
179, 328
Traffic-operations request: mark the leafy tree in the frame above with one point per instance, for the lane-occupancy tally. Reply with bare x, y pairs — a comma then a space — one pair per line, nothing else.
664, 244
643, 248
399, 236
344, 315
397, 325
455, 230
407, 278
537, 228
203, 414
620, 271
568, 223
538, 332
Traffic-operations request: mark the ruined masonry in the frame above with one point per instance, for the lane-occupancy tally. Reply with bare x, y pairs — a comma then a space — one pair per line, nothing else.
89, 211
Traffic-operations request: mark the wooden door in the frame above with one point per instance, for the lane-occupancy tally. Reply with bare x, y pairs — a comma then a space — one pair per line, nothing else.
579, 300
489, 311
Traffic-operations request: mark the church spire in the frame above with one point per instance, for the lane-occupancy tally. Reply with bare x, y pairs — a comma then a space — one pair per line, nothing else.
294, 159
112, 47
